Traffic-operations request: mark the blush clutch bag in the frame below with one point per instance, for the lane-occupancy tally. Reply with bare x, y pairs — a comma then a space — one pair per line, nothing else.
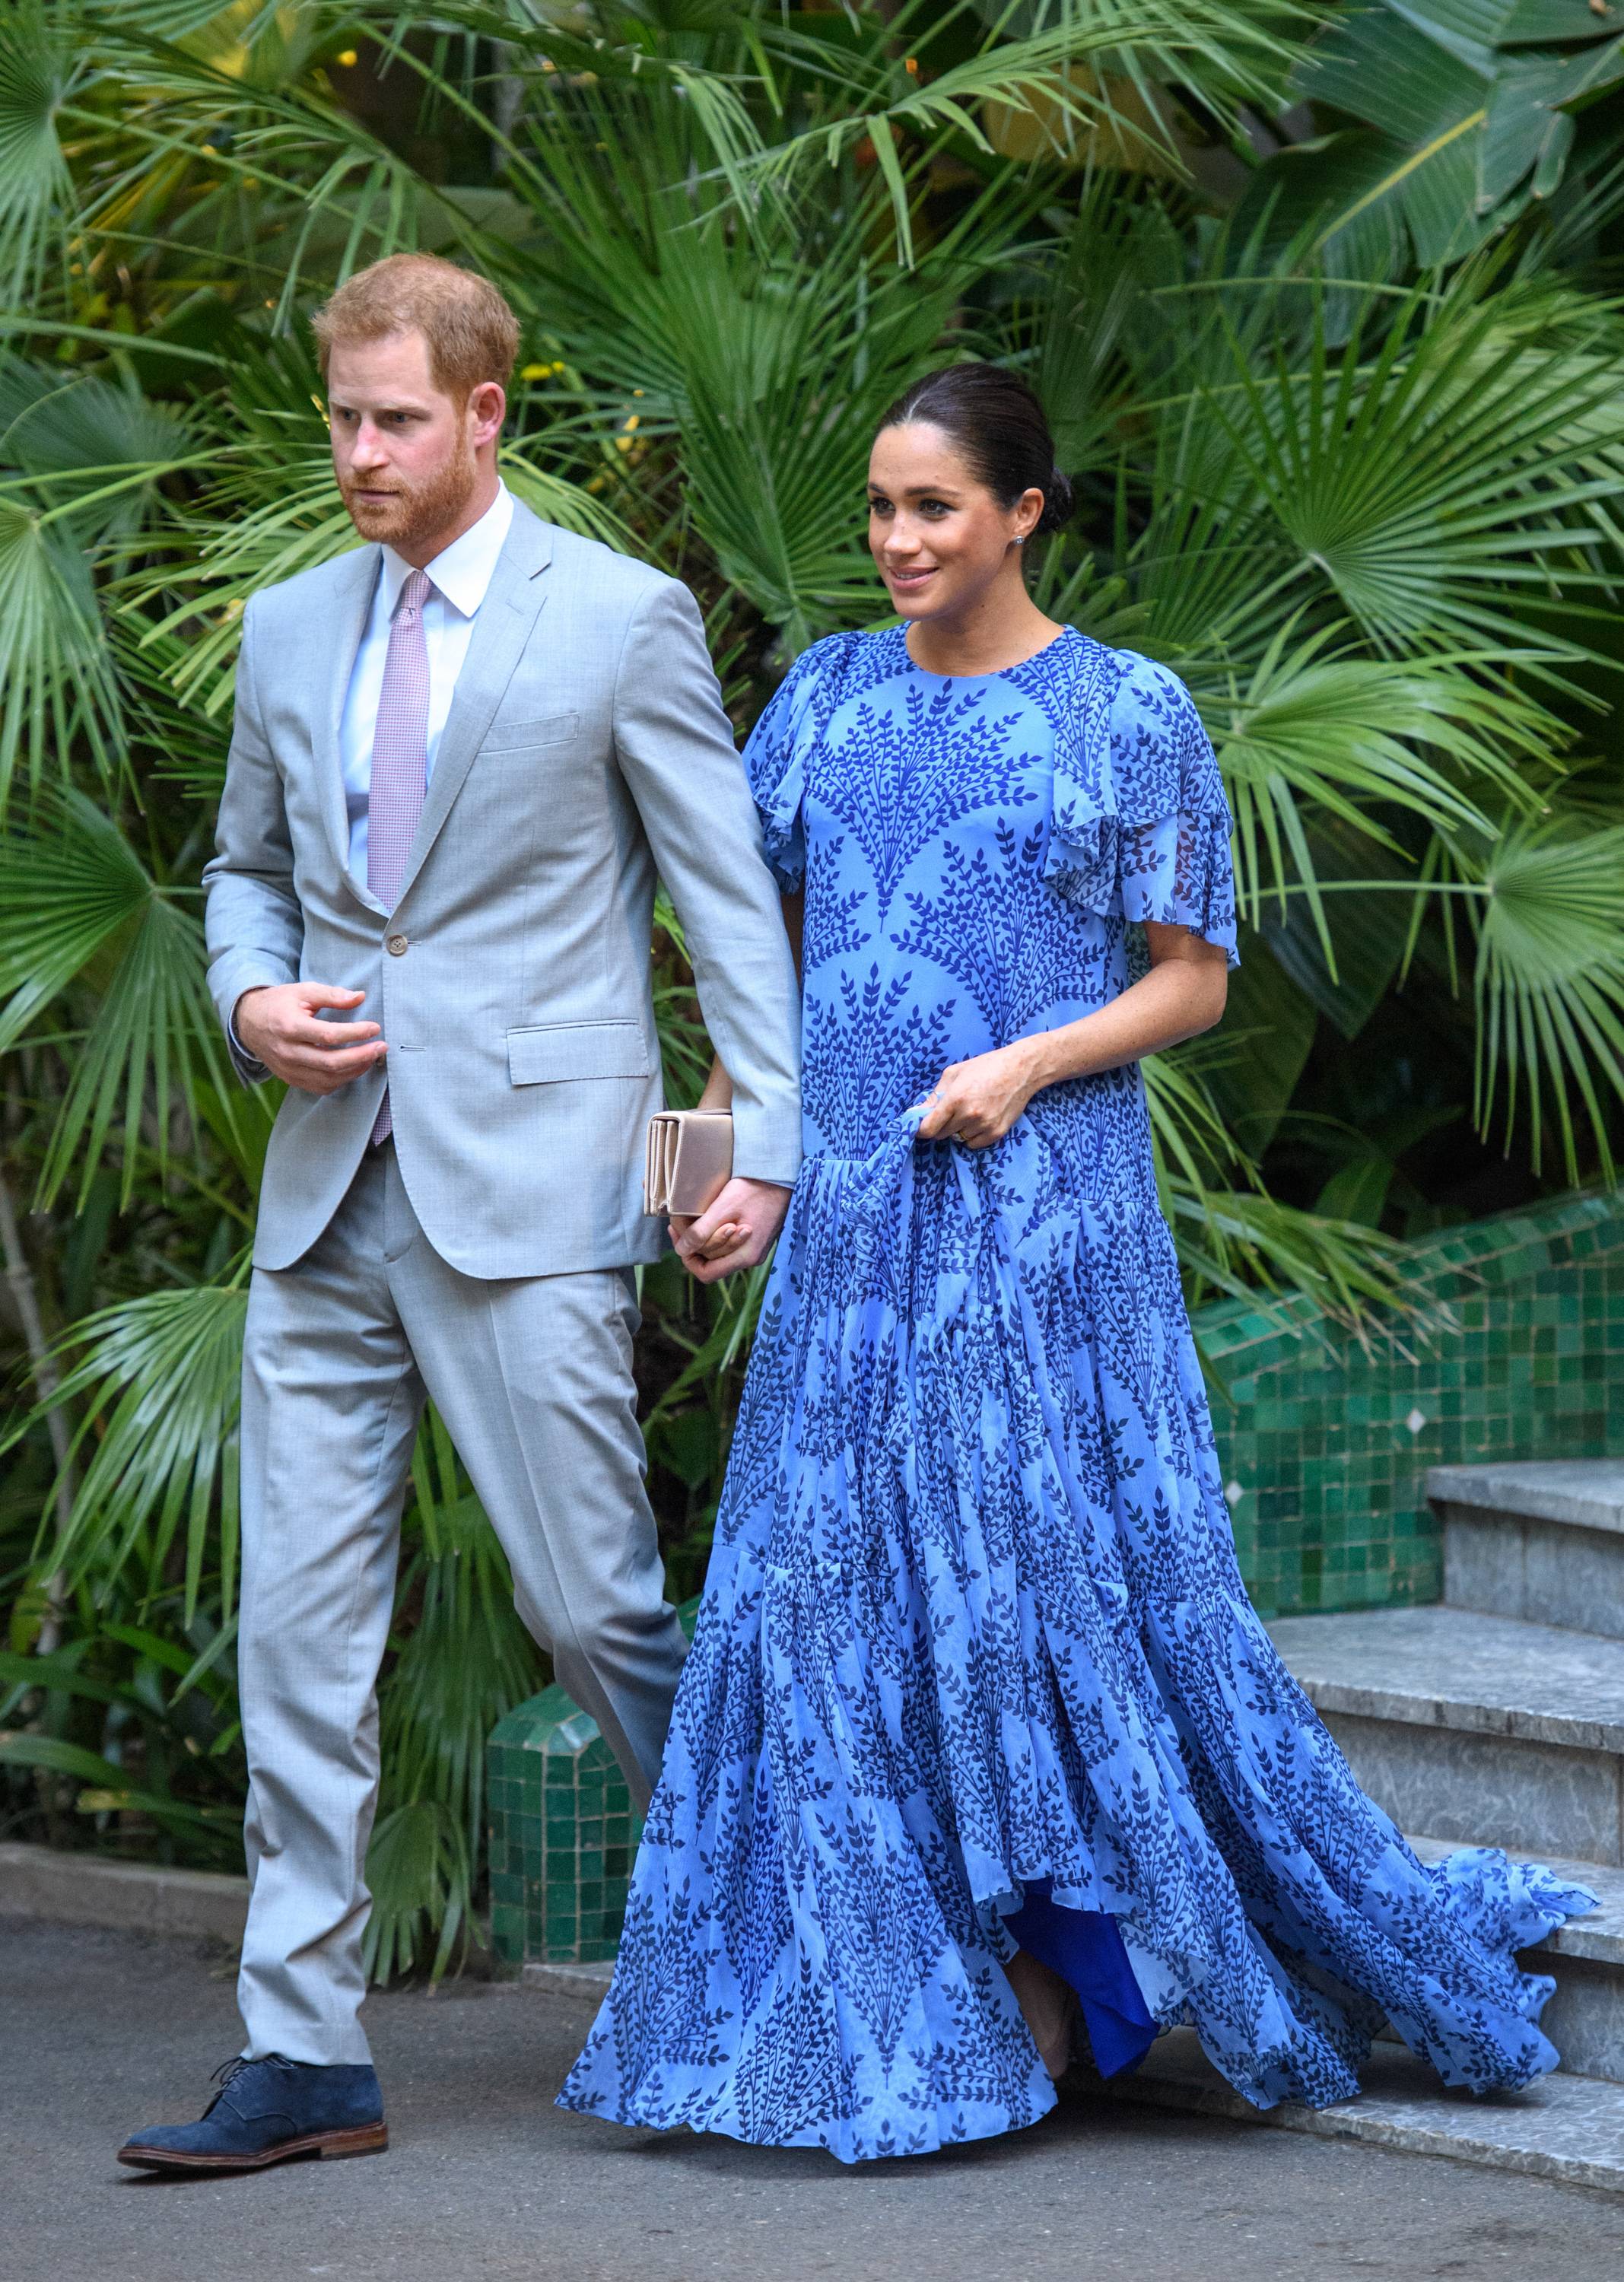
689, 1160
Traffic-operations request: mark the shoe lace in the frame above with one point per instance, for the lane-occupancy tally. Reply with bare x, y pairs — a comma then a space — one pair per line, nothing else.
227, 2074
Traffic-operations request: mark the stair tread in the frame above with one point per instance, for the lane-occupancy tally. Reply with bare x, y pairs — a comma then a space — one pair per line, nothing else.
1561, 2127
1587, 1491
1600, 1935
1453, 1668
559, 1978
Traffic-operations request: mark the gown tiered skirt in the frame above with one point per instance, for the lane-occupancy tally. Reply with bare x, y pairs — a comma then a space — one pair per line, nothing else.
975, 1669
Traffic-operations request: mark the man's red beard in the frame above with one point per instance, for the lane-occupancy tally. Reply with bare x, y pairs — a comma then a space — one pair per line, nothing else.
413, 512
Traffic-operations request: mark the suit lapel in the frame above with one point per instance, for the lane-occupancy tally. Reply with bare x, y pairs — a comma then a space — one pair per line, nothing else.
507, 617
354, 602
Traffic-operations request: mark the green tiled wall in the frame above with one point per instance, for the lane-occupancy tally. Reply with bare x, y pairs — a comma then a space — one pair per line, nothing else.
562, 1831
562, 1834
1326, 1445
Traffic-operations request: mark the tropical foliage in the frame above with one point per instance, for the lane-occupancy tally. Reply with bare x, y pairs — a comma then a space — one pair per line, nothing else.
1321, 305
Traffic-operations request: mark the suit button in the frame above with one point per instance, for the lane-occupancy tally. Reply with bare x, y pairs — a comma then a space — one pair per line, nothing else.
396, 946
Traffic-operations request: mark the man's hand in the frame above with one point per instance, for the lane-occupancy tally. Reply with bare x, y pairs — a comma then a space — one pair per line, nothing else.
279, 1025
737, 1232
976, 1102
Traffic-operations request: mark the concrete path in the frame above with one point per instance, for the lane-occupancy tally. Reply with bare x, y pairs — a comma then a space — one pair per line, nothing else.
487, 2181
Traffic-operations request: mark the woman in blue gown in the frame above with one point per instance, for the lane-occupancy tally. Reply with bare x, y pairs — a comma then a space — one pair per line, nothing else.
980, 1746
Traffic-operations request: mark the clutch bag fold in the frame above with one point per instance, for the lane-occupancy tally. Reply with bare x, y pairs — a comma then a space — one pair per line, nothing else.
689, 1160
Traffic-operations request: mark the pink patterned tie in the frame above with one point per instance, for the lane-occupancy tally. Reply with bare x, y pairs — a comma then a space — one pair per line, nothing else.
400, 763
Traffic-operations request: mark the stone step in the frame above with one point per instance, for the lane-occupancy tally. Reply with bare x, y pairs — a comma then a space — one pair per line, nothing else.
1543, 1542
1584, 2018
1484, 1730
1562, 2127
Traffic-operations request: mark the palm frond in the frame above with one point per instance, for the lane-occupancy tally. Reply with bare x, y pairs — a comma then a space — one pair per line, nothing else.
79, 901
1356, 739
156, 1388
420, 1876
1426, 484
37, 72
1549, 981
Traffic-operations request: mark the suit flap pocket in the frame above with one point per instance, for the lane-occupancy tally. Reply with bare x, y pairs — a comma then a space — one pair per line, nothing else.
567, 1049
518, 736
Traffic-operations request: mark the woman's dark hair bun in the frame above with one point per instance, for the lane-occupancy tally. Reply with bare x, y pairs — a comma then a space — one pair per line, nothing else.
998, 426
1057, 502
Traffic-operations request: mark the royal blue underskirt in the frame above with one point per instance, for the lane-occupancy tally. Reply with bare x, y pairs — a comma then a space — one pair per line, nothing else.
1085, 1949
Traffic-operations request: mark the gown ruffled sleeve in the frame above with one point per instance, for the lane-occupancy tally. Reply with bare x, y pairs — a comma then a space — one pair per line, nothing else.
1140, 822
775, 754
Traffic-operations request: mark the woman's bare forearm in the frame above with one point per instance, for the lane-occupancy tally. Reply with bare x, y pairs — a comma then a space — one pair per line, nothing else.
977, 1101
718, 1088
1180, 999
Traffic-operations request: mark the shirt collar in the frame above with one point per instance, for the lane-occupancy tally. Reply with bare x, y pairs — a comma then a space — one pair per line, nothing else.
462, 572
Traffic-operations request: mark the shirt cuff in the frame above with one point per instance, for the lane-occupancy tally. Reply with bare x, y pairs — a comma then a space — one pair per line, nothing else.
249, 1066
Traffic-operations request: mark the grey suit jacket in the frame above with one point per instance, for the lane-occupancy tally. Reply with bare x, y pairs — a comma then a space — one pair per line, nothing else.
586, 747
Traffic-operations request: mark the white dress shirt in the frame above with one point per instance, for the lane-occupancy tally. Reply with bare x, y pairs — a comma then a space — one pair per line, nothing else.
459, 578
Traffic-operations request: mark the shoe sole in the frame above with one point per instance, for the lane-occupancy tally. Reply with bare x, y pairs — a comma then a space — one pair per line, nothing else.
364, 2139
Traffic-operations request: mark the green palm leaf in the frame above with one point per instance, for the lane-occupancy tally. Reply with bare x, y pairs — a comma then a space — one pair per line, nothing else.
1549, 981
1424, 486
420, 1876
110, 1786
37, 72
465, 1662
1356, 739
157, 1390
81, 906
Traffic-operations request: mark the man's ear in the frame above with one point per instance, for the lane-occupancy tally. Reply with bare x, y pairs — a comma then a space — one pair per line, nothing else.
488, 405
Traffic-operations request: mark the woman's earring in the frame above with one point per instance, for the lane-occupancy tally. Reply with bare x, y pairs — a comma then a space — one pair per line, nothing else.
1020, 542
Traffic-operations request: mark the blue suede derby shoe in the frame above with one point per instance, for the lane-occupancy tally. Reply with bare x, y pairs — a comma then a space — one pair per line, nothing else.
264, 2111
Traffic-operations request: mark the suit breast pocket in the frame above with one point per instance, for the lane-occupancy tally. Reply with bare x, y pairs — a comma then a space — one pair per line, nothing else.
526, 736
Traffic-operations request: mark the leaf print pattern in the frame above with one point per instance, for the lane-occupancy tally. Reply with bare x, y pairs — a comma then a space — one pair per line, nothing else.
973, 1623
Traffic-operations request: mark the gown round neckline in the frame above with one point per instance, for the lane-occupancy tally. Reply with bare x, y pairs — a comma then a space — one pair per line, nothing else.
1066, 633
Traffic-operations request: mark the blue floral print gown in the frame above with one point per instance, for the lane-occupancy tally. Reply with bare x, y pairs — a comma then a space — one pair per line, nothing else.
975, 1666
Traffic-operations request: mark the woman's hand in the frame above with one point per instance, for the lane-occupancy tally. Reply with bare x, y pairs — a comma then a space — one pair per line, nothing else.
976, 1102
738, 1231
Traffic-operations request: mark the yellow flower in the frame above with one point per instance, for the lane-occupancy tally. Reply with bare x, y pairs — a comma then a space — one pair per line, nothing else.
349, 59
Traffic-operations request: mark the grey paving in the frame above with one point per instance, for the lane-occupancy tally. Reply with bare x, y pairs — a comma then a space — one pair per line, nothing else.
486, 2181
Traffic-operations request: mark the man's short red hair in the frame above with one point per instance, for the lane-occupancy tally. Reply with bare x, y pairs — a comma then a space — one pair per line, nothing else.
473, 335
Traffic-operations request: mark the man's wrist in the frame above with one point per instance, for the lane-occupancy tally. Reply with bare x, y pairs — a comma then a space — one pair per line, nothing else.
234, 1027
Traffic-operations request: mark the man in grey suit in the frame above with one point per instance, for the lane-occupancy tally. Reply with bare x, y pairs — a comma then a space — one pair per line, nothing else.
461, 754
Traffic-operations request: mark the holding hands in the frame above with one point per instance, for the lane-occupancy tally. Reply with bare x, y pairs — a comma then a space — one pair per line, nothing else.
738, 1231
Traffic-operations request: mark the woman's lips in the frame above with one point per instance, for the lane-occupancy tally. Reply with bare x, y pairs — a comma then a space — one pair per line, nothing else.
910, 579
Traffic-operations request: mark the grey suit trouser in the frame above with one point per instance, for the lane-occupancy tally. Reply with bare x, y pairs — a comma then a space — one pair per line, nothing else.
533, 1376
